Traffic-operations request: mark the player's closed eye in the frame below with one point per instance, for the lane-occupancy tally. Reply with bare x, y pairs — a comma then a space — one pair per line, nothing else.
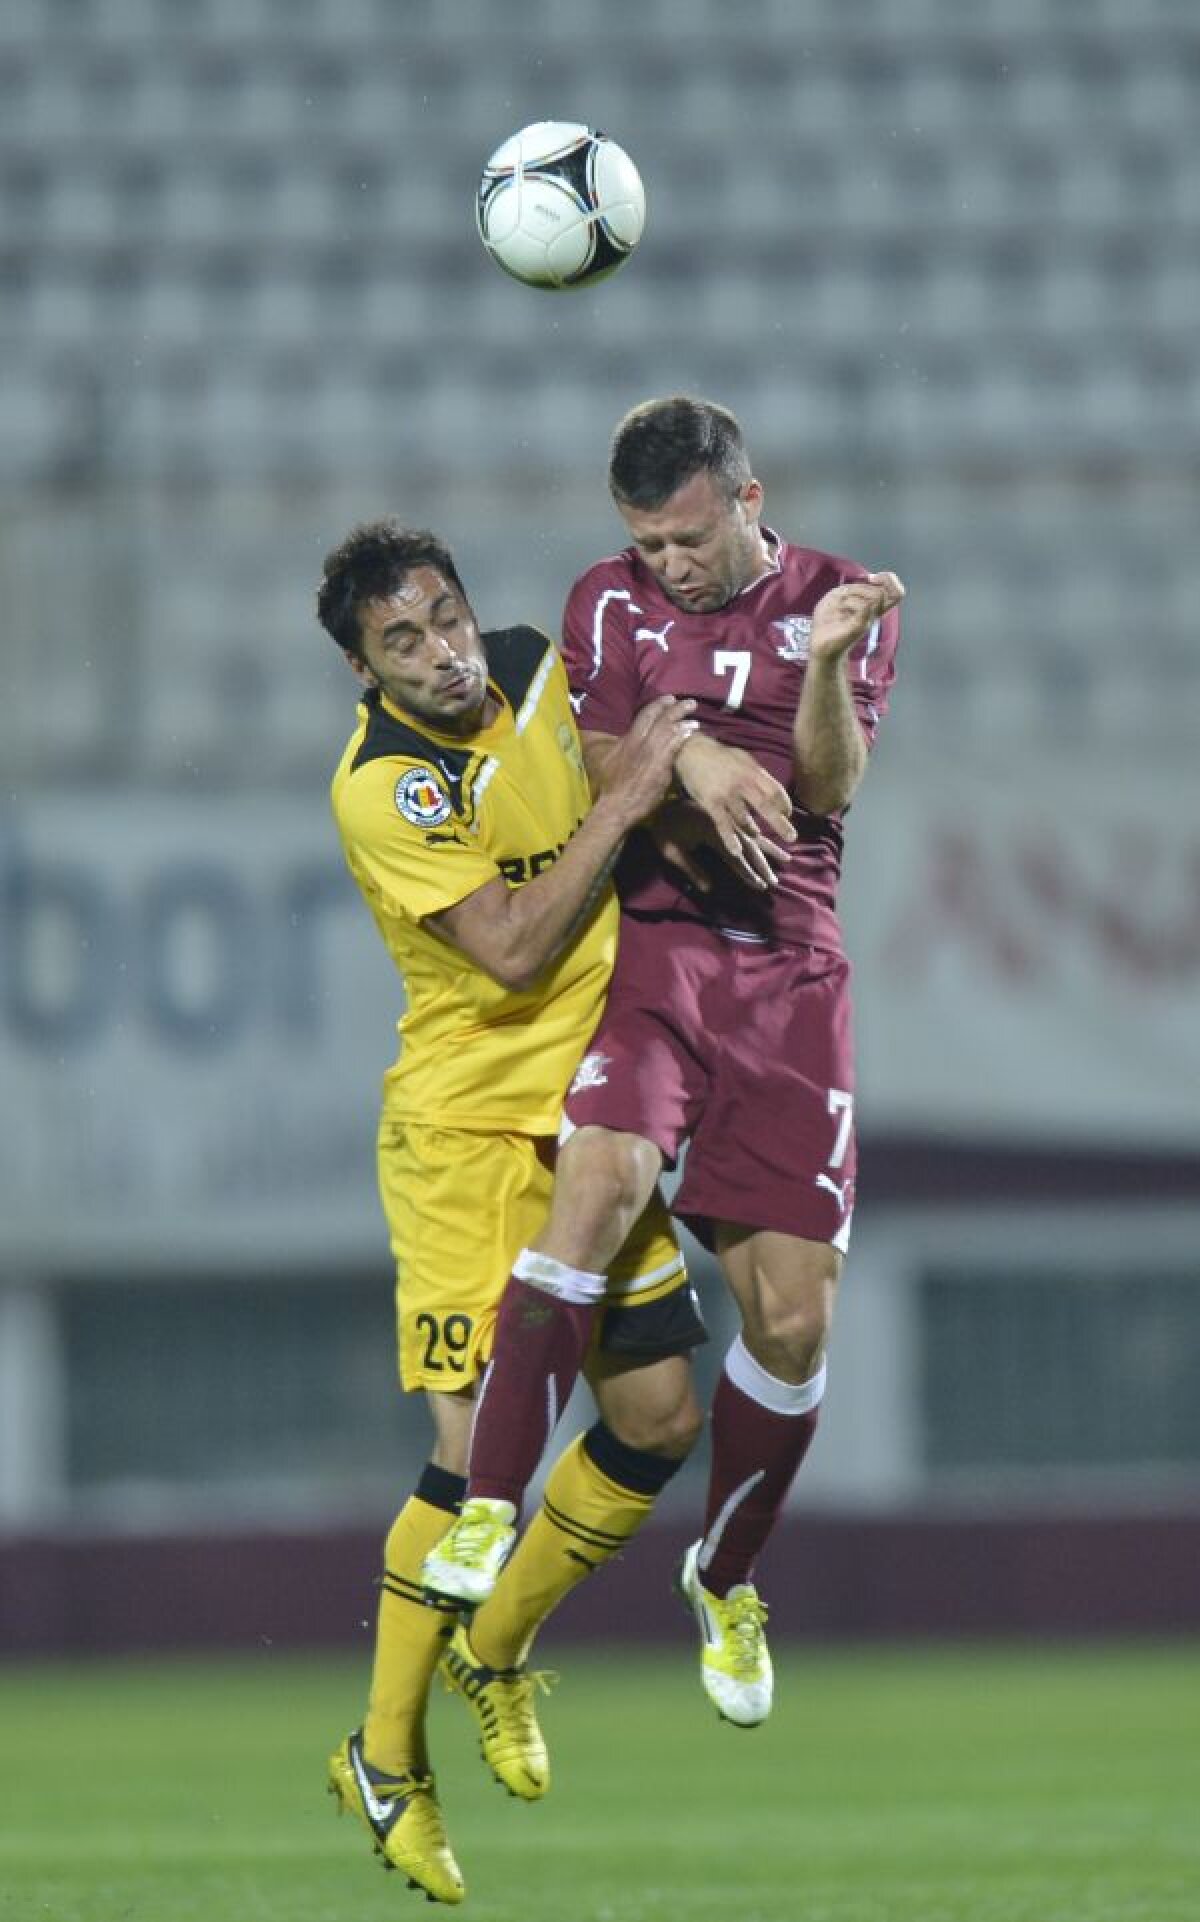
650, 548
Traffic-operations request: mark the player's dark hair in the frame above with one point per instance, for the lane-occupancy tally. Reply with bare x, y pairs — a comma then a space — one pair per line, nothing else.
662, 443
369, 565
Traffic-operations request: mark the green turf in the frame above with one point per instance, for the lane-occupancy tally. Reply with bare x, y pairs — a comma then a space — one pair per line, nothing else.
897, 1786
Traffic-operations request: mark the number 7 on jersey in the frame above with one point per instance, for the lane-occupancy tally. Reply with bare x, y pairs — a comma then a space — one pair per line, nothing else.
735, 663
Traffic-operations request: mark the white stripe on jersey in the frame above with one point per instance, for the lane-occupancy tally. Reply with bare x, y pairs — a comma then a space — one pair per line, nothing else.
528, 707
482, 781
491, 767
609, 594
864, 672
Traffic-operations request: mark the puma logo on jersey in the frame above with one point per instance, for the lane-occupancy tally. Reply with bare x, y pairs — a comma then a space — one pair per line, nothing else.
590, 1073
656, 634
795, 629
839, 1193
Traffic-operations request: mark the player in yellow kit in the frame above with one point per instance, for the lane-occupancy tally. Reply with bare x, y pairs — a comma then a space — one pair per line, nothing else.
466, 820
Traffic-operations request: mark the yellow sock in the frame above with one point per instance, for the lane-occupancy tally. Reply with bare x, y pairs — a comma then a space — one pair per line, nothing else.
585, 1519
409, 1637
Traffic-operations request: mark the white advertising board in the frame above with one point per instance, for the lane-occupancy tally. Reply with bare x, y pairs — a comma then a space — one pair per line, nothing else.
195, 1011
195, 1014
1027, 946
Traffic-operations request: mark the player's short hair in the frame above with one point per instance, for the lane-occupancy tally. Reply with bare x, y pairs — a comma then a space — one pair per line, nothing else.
369, 565
661, 443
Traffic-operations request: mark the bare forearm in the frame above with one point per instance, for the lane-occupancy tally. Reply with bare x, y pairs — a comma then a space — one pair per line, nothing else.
598, 753
743, 813
542, 917
829, 751
515, 933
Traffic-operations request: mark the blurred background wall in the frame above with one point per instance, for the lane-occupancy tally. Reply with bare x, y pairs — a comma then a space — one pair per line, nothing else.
943, 260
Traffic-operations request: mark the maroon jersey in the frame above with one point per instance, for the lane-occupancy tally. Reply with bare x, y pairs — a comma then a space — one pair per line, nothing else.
625, 643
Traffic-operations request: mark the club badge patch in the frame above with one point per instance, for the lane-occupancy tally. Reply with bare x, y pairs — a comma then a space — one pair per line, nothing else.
421, 799
795, 629
591, 1073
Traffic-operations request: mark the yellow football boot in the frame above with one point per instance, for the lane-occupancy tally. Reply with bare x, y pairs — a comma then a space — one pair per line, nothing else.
464, 1565
501, 1700
735, 1662
404, 1820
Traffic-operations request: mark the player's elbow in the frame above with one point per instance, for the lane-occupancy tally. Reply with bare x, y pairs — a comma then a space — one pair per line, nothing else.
513, 971
517, 963
522, 980
827, 791
516, 944
824, 797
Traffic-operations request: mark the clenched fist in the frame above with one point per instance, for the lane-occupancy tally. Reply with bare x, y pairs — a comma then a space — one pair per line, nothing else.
842, 616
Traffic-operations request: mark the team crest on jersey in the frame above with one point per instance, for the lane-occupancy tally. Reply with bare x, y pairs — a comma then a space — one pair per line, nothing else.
420, 798
590, 1073
795, 629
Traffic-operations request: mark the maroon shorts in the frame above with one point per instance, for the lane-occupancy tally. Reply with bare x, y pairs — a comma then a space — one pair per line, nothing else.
744, 1051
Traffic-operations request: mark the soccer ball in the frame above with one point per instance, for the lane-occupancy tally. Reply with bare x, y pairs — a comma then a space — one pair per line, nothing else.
560, 205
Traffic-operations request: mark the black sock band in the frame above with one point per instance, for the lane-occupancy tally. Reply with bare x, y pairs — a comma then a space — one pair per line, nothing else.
634, 1468
440, 1488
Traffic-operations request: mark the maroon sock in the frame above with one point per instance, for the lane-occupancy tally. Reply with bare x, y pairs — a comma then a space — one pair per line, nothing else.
538, 1351
756, 1452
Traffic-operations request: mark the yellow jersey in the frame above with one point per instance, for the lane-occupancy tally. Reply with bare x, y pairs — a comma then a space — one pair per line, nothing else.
427, 818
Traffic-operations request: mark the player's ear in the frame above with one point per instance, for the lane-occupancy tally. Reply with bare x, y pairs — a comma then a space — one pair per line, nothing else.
359, 668
750, 499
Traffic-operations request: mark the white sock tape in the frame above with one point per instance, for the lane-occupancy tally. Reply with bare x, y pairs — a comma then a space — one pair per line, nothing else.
781, 1397
556, 1278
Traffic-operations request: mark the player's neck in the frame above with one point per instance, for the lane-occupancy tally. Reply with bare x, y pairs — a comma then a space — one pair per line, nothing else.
761, 559
769, 546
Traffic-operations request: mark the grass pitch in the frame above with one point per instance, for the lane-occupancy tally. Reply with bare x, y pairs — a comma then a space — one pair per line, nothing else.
958, 1785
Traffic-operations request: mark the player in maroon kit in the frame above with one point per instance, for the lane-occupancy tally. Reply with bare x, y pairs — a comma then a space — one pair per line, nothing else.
728, 1024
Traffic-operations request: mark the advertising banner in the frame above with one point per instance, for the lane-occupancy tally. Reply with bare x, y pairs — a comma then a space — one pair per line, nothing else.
195, 1014
195, 1010
1028, 953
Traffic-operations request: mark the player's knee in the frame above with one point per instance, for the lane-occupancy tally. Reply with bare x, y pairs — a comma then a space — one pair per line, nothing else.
606, 1178
678, 1432
790, 1345
685, 1435
671, 1431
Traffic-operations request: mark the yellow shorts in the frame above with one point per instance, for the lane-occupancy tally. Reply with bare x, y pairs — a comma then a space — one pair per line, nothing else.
460, 1207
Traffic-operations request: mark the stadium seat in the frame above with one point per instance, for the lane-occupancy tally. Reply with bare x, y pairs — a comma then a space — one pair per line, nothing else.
236, 253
